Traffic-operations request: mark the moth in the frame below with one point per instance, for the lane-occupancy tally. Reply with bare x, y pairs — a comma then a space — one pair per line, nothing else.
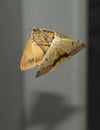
48, 49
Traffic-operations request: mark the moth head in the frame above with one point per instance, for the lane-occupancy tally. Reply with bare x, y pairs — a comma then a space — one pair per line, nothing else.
35, 29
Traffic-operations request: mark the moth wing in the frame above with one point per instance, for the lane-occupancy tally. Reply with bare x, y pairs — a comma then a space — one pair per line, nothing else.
47, 61
71, 46
32, 56
60, 56
52, 60
56, 55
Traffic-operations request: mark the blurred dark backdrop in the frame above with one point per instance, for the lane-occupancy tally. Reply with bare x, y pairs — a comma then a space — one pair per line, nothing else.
94, 64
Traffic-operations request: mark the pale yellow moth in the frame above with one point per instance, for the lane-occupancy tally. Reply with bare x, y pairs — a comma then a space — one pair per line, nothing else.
48, 49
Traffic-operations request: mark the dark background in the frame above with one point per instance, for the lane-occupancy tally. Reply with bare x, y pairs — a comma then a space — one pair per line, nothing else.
94, 64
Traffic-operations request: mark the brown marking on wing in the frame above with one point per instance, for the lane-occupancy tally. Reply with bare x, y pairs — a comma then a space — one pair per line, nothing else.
59, 57
79, 48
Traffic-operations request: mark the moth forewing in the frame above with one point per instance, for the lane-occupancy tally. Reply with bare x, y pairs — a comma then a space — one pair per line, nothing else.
48, 61
60, 50
59, 59
71, 46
